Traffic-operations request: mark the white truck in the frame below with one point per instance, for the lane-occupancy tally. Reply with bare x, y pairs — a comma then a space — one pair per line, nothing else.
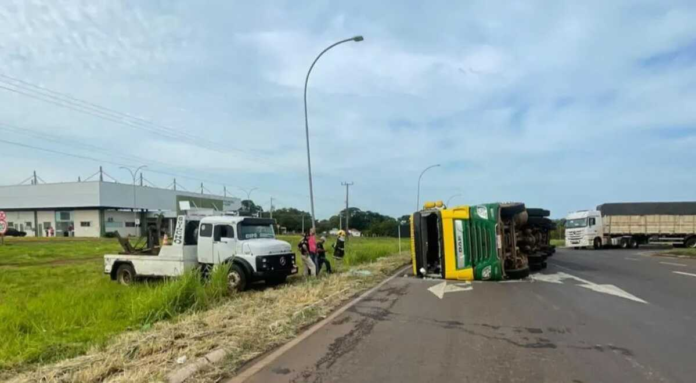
629, 225
247, 244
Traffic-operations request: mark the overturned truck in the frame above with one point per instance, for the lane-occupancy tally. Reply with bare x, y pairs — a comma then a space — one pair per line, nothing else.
493, 241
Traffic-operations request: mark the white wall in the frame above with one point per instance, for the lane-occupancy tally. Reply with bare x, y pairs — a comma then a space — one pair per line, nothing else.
119, 219
87, 216
62, 195
46, 216
23, 221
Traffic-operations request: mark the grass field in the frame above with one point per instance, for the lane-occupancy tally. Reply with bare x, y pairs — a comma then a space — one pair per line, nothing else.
56, 303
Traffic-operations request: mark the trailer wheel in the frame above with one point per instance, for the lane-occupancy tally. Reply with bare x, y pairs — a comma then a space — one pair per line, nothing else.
632, 243
517, 273
624, 243
597, 243
691, 242
236, 279
125, 274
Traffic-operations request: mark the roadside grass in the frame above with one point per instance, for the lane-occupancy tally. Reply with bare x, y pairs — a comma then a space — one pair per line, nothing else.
245, 326
50, 312
558, 242
689, 252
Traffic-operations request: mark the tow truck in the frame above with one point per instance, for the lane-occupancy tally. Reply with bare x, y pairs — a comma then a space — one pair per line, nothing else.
202, 241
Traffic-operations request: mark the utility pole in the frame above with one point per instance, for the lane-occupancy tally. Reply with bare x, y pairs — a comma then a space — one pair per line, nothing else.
271, 207
347, 185
224, 191
174, 184
36, 181
303, 223
141, 178
201, 187
101, 174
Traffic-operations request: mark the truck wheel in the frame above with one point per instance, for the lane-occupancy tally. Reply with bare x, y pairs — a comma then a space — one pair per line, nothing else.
624, 243
632, 243
125, 274
597, 243
517, 273
277, 280
236, 279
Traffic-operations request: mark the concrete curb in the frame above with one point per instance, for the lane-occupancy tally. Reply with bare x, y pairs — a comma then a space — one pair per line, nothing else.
180, 375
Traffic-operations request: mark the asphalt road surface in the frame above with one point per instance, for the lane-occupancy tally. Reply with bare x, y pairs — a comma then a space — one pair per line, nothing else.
591, 316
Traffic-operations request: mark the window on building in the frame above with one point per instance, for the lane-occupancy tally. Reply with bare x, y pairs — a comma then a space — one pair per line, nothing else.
64, 215
85, 224
206, 230
110, 219
28, 225
130, 224
46, 225
10, 224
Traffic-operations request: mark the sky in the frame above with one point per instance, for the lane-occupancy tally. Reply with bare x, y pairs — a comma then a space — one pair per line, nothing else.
561, 105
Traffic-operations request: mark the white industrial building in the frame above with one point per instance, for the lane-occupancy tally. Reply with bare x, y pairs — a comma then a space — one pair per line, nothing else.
92, 209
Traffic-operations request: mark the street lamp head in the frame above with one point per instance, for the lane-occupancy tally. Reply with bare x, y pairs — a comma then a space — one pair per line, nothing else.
358, 39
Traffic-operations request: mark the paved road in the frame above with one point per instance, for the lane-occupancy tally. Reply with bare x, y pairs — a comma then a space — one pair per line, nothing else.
591, 316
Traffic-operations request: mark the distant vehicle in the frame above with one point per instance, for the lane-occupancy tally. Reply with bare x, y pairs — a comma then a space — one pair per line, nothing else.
629, 225
12, 232
485, 242
247, 244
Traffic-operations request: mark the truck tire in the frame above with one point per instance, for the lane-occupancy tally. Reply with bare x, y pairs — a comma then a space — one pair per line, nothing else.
125, 274
632, 243
597, 243
691, 242
624, 243
517, 273
236, 279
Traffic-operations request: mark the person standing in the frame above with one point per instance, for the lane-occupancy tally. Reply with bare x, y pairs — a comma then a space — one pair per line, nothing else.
309, 266
321, 256
312, 243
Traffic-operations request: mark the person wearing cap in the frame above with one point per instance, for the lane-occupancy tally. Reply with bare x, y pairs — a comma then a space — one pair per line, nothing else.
321, 256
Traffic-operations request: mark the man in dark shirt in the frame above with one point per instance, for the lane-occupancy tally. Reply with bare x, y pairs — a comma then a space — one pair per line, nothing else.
321, 256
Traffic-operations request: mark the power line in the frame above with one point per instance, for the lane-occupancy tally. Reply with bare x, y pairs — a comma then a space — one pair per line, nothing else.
85, 107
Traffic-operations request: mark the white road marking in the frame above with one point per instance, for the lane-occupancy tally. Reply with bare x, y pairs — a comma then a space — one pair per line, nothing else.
442, 288
632, 259
605, 289
674, 264
682, 273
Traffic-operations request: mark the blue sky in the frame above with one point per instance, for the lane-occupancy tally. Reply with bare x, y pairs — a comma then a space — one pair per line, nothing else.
556, 104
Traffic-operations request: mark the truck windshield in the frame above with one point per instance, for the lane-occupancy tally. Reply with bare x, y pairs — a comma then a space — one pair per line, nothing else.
579, 222
252, 231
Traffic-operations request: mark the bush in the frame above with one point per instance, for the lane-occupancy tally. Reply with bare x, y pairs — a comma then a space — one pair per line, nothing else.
110, 234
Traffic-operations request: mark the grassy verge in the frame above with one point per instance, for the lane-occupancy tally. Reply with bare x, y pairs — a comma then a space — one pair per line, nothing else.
558, 242
686, 252
51, 312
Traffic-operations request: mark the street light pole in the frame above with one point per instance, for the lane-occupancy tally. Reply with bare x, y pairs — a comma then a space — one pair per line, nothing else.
450, 198
309, 160
419, 182
248, 193
133, 175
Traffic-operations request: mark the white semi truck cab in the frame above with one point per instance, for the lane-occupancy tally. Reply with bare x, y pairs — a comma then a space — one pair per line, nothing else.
247, 244
583, 228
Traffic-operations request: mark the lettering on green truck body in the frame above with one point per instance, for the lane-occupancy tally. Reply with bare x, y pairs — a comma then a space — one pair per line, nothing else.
459, 246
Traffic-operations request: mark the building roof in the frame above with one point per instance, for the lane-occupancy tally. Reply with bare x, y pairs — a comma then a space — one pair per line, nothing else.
96, 194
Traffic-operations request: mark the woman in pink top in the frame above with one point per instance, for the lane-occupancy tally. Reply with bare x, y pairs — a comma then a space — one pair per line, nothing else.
313, 245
